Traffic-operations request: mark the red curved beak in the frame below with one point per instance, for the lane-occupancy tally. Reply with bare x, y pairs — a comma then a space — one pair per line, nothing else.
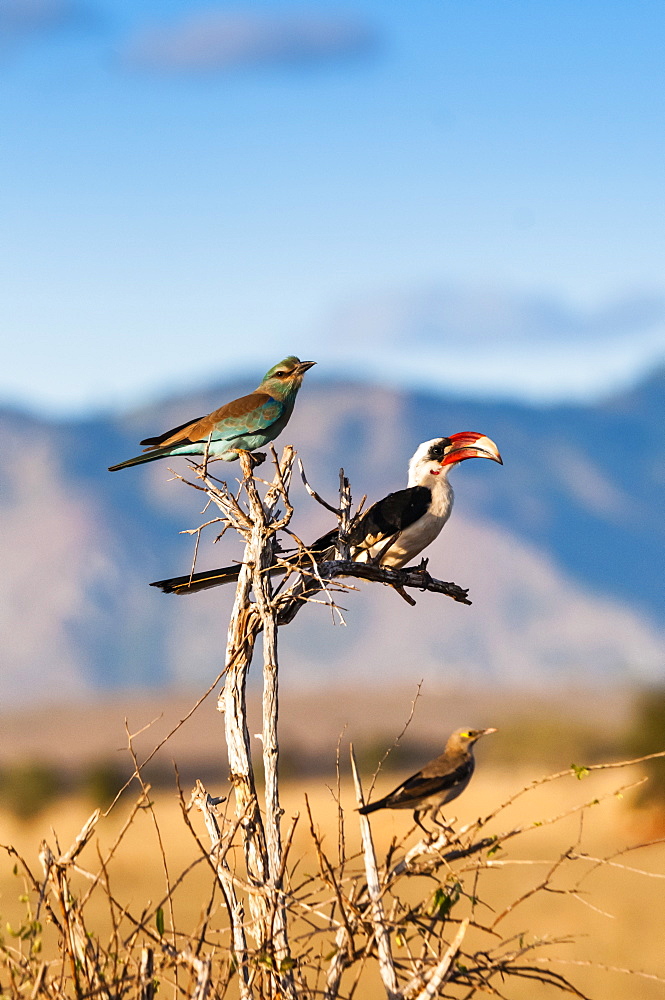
469, 444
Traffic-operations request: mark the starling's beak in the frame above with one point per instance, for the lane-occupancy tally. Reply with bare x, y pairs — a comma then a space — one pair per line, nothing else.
469, 444
303, 367
486, 732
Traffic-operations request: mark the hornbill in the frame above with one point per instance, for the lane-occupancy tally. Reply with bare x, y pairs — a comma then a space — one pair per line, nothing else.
393, 530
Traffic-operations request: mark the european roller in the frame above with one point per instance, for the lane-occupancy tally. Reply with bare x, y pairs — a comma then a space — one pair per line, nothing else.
244, 424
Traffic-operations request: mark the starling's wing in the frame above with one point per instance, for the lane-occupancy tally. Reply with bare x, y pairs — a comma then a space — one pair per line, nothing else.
389, 516
425, 784
245, 415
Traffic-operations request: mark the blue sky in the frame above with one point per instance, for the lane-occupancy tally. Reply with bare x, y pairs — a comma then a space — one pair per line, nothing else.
458, 194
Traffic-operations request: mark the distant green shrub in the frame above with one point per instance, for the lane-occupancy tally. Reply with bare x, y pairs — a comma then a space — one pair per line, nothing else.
647, 735
102, 780
28, 787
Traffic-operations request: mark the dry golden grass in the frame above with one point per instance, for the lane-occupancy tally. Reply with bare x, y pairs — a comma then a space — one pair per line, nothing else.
616, 919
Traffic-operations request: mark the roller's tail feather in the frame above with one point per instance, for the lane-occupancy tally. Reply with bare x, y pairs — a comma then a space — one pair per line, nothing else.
150, 456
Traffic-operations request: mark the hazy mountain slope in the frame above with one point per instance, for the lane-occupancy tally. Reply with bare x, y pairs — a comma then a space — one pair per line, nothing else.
562, 548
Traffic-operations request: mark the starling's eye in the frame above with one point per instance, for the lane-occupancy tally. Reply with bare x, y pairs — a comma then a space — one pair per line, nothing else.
465, 736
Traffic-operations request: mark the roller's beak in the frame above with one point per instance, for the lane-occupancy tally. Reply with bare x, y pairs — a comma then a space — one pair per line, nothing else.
304, 366
469, 444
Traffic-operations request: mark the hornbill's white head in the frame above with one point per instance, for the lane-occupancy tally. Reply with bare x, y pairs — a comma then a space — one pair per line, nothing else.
434, 459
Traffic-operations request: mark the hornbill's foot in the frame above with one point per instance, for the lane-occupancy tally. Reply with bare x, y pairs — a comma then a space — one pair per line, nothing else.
422, 569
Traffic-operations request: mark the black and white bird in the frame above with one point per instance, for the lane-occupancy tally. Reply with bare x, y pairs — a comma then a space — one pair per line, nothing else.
393, 530
438, 782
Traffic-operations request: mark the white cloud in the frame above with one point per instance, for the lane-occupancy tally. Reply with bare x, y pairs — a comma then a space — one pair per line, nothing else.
488, 316
500, 342
211, 40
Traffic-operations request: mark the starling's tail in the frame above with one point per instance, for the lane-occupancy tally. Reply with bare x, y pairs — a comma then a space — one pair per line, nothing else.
372, 807
198, 581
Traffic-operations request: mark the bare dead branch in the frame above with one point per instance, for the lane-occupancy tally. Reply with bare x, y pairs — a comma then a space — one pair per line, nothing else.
312, 492
440, 973
382, 937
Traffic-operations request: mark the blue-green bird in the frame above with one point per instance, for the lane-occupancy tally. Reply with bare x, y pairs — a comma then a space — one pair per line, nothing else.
244, 424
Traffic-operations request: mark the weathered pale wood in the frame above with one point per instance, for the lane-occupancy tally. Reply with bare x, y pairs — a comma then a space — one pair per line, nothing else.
440, 973
146, 974
381, 933
235, 908
243, 629
339, 962
342, 548
262, 556
87, 974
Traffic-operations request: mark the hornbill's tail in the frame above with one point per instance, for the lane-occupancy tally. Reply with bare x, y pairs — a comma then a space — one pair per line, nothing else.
189, 584
323, 547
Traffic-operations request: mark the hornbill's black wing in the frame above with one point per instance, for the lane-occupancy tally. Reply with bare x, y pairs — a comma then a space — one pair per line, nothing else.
391, 515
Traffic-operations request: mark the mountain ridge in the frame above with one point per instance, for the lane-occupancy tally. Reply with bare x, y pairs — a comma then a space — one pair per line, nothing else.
576, 506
